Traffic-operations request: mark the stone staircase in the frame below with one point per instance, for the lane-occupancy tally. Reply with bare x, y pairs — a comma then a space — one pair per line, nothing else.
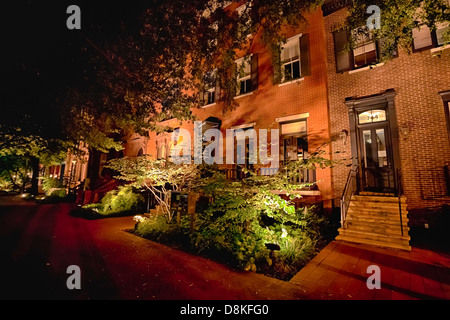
374, 219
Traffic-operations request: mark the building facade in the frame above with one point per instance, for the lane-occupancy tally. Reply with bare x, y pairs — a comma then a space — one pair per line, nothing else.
393, 116
387, 125
295, 104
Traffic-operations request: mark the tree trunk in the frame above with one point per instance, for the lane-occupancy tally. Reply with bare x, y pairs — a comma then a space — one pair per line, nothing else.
34, 179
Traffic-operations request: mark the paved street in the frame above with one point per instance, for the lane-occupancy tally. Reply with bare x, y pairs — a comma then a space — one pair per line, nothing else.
39, 242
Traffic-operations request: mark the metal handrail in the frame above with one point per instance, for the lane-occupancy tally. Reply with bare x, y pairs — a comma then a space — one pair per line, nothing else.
399, 194
348, 190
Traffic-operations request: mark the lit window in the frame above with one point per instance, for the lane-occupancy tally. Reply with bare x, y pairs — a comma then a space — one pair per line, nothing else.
372, 116
293, 127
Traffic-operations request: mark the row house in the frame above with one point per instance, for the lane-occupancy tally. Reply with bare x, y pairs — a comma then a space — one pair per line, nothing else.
394, 122
295, 103
386, 124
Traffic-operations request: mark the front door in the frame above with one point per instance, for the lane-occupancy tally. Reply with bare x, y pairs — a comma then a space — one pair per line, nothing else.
376, 161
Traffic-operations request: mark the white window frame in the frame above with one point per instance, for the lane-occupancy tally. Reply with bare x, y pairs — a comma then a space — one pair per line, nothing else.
239, 62
292, 41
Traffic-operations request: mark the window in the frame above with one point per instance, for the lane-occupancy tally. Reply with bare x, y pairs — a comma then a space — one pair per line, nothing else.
210, 123
295, 58
293, 127
424, 38
246, 74
210, 88
366, 51
294, 142
442, 28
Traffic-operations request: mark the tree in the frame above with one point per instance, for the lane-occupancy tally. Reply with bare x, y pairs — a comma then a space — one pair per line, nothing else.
397, 20
29, 150
158, 176
152, 72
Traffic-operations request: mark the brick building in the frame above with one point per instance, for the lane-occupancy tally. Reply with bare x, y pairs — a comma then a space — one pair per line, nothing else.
387, 123
394, 123
295, 105
415, 86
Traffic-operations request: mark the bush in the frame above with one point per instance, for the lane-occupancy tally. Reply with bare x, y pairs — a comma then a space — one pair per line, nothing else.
236, 233
59, 193
118, 202
48, 184
157, 228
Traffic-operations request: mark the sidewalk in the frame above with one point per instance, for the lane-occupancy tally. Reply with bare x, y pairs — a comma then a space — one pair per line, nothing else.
339, 272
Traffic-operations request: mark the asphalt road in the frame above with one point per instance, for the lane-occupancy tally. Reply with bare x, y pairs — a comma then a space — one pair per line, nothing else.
39, 242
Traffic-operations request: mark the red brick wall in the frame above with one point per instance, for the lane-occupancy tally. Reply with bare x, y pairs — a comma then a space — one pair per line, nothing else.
416, 78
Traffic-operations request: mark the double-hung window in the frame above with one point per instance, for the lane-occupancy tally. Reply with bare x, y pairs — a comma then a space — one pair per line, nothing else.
295, 58
210, 88
364, 52
246, 70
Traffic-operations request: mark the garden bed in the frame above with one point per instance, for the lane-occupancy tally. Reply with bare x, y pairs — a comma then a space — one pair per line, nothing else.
297, 246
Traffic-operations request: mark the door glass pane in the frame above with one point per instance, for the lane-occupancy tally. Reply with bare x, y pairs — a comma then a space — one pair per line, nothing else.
381, 148
367, 148
372, 116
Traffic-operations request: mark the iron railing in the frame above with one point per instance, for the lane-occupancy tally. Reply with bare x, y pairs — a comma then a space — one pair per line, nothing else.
301, 176
349, 189
399, 193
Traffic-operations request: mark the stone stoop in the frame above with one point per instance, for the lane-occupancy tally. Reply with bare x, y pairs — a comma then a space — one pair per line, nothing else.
375, 220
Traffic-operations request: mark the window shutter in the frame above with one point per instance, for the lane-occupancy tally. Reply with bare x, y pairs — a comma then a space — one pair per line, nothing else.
233, 76
217, 91
342, 56
305, 69
254, 72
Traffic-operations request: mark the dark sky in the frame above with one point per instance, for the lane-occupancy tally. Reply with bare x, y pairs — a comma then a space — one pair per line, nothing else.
41, 58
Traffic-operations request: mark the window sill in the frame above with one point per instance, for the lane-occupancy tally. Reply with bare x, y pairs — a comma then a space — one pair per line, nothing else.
208, 105
438, 49
366, 68
243, 95
292, 81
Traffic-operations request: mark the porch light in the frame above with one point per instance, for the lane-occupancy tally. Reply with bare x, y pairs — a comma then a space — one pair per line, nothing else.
343, 136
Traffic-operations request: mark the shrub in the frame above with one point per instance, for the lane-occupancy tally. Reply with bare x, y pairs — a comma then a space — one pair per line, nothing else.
48, 184
59, 193
118, 202
158, 228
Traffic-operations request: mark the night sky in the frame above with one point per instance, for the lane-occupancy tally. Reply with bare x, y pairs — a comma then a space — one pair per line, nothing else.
41, 58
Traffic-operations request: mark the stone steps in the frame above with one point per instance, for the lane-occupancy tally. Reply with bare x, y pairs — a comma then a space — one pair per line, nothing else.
375, 220
356, 237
